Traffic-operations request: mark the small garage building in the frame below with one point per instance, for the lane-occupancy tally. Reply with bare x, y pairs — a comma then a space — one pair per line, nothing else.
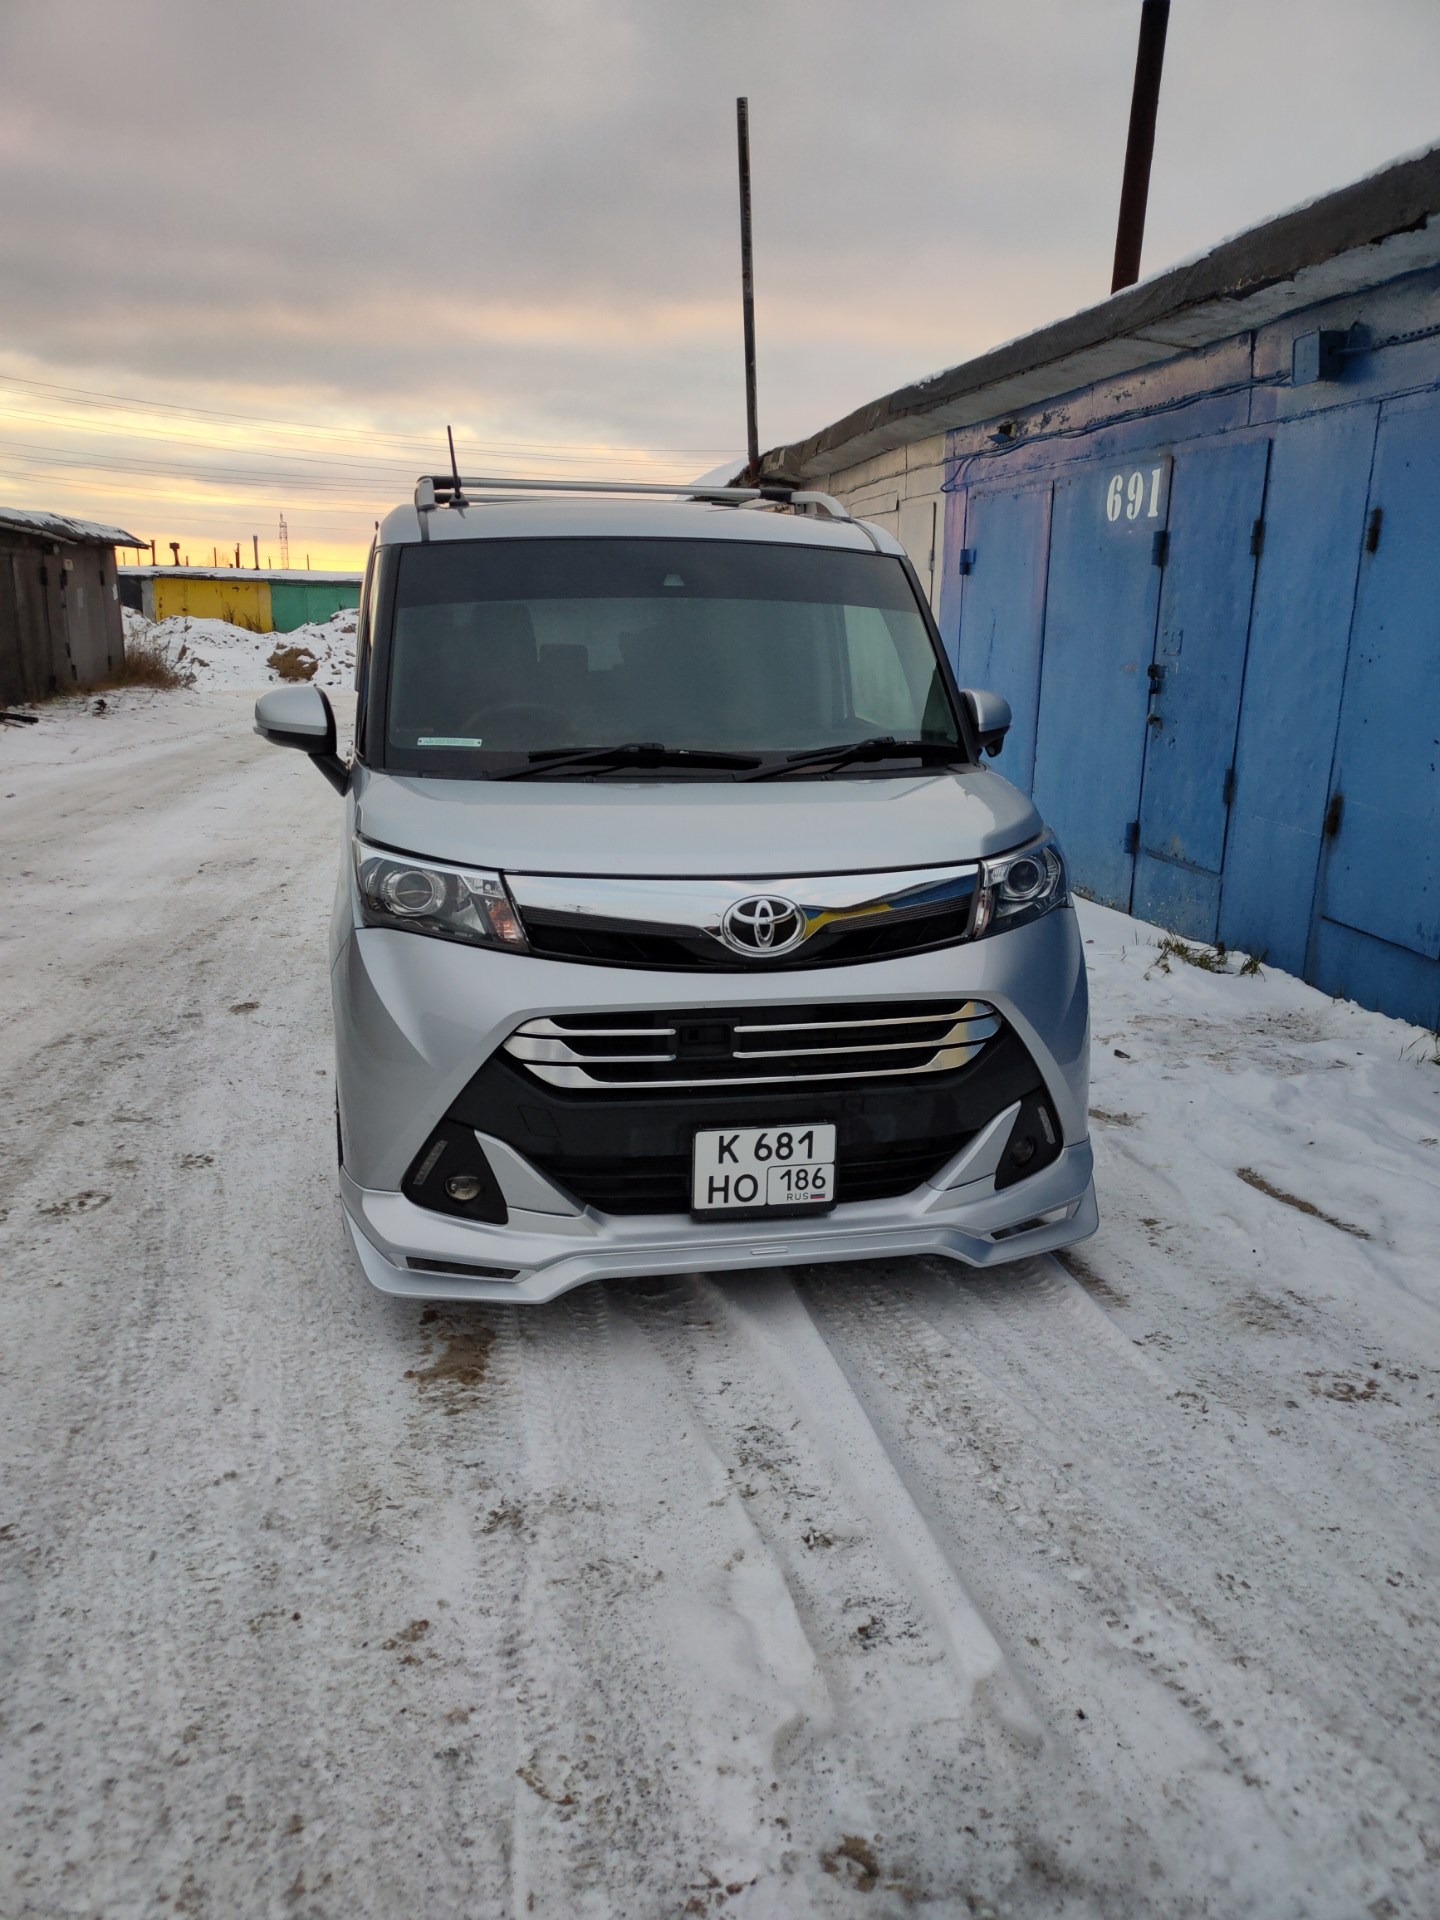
264, 600
1193, 536
59, 603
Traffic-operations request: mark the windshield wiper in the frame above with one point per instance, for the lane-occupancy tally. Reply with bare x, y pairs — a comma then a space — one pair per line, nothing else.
882, 747
642, 753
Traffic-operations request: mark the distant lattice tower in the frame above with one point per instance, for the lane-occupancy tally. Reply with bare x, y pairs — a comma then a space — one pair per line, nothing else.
284, 545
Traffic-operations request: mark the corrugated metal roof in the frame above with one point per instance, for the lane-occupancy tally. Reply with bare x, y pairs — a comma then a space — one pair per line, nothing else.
59, 526
1364, 234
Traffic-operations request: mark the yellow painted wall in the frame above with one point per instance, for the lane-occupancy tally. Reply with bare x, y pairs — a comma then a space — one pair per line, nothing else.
244, 603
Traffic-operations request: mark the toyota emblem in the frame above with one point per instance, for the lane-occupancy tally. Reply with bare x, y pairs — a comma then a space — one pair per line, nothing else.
762, 926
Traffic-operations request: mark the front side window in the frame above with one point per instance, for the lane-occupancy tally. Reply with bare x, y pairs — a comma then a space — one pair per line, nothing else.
508, 651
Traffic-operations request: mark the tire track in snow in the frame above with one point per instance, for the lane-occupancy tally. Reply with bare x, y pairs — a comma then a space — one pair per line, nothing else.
663, 1673
917, 1776
1096, 1495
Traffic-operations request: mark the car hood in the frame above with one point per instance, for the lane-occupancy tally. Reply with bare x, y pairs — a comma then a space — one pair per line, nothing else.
693, 830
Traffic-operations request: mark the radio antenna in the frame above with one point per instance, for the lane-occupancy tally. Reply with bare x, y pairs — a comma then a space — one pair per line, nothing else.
459, 500
747, 291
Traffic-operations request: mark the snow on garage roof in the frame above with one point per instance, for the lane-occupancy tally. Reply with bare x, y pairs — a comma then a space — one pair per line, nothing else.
59, 526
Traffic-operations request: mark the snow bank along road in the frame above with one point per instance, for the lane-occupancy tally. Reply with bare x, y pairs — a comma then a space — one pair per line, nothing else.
875, 1590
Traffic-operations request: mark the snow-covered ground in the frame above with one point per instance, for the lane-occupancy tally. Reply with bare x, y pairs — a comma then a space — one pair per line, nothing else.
216, 655
1099, 1589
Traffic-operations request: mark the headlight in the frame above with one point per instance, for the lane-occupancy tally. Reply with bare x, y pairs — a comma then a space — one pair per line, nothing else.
1020, 887
451, 903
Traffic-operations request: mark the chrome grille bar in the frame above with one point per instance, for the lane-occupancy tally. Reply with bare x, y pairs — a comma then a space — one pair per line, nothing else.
571, 1056
961, 1033
973, 1009
576, 1078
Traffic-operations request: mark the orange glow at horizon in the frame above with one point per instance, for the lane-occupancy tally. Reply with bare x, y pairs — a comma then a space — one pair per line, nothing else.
211, 479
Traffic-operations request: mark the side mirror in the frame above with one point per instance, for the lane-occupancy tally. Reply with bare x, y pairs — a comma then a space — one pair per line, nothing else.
990, 717
302, 717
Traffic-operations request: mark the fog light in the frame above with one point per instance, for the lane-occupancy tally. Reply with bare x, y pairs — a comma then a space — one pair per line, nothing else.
466, 1186
1023, 1150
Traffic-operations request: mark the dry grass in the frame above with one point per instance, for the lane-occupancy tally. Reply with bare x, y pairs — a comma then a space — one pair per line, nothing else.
1208, 959
293, 663
148, 662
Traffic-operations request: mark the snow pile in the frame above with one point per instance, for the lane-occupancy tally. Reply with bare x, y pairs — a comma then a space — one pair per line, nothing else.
221, 656
1278, 1131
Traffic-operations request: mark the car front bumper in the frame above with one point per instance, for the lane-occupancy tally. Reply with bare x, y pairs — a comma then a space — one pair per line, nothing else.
547, 1255
417, 1019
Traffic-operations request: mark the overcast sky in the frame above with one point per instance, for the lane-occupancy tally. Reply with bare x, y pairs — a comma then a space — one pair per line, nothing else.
356, 222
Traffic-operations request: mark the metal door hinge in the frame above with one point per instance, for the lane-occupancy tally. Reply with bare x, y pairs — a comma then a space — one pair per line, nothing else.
1257, 538
1332, 815
1159, 548
1132, 837
1227, 793
967, 559
1372, 529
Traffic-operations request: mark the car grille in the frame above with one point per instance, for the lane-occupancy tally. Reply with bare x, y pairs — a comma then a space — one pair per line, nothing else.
662, 1185
752, 1046
671, 952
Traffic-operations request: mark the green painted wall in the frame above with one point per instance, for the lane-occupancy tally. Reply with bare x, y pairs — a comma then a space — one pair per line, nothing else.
293, 602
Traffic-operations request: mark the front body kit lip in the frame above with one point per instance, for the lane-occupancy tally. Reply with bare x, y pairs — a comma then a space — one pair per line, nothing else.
550, 1253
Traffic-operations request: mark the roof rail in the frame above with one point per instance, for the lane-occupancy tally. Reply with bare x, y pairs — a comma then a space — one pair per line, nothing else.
434, 490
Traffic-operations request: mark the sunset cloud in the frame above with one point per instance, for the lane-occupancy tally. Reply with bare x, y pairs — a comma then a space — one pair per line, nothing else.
366, 222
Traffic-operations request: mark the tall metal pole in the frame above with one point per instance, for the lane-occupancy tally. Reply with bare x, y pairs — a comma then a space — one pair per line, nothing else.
1140, 146
747, 288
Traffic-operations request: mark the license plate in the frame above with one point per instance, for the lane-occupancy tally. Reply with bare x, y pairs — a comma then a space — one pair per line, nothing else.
765, 1169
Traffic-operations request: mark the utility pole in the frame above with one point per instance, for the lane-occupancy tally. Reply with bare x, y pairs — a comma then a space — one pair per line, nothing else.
284, 545
747, 290
1140, 144
255, 541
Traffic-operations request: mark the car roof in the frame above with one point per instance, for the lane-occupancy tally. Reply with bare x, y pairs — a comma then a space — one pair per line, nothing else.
610, 517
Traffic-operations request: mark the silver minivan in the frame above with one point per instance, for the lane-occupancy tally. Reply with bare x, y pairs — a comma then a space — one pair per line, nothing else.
682, 923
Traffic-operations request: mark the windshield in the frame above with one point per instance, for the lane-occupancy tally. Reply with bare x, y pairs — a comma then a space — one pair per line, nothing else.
506, 652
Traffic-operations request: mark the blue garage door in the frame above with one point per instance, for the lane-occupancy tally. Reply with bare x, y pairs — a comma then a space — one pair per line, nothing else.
1101, 602
1294, 669
1383, 873
1216, 506
1002, 614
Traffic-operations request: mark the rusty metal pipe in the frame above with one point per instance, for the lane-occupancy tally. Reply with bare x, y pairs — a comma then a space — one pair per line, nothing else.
1140, 145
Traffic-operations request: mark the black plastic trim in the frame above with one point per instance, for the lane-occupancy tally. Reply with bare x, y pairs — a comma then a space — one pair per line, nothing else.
450, 1152
1033, 1144
630, 1153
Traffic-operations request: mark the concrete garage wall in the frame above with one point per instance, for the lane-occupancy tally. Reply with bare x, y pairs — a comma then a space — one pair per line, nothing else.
1208, 581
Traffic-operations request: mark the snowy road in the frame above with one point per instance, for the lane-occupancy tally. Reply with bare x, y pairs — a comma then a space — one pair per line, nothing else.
1109, 1591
